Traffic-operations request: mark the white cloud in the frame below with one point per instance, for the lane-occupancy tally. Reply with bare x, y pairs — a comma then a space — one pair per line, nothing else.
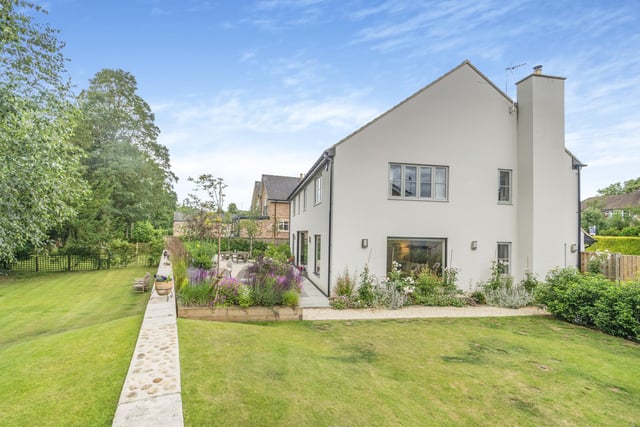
239, 138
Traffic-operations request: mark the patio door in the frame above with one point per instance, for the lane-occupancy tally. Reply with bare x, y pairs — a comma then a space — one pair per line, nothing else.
303, 248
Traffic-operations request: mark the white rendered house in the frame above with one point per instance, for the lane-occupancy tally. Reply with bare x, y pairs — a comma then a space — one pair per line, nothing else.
457, 175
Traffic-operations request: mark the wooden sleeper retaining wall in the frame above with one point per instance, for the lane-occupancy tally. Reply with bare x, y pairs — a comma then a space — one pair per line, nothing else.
239, 314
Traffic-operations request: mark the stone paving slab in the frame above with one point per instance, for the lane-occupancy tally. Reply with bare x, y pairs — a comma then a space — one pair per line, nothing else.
151, 395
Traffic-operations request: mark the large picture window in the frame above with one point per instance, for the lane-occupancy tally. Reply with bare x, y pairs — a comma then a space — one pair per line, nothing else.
415, 254
419, 182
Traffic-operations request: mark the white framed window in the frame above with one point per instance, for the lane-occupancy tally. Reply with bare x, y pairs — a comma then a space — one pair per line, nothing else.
304, 199
293, 207
318, 188
503, 257
283, 225
418, 182
504, 186
316, 264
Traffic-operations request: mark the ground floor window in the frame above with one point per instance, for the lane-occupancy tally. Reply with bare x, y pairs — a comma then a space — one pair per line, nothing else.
415, 254
504, 257
303, 247
316, 265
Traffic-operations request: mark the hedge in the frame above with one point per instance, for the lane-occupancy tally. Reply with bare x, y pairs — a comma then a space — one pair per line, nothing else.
621, 245
592, 301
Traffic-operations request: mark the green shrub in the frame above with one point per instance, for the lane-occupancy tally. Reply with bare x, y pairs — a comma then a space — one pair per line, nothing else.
194, 295
617, 311
122, 252
439, 291
226, 292
244, 296
201, 253
500, 290
593, 301
345, 284
263, 292
290, 298
279, 253
366, 294
621, 245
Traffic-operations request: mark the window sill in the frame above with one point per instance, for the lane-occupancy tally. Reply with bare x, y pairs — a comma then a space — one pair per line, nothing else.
417, 199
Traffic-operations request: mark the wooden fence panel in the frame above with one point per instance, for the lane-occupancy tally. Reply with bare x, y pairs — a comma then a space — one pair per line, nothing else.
613, 266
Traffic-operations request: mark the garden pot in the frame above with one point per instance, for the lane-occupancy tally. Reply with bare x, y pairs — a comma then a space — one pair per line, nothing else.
164, 288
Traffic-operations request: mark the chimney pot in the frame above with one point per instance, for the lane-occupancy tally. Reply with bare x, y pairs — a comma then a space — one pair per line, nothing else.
537, 69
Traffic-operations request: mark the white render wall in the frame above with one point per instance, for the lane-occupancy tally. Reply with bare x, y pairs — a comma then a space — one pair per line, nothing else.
548, 218
315, 221
462, 122
465, 123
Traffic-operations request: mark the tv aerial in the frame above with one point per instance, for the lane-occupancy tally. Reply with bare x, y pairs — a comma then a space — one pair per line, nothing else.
506, 75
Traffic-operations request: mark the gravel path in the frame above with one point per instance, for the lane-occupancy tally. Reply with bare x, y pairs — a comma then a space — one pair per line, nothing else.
418, 312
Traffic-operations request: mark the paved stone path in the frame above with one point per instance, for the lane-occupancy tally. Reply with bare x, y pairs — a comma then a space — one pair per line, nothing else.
151, 395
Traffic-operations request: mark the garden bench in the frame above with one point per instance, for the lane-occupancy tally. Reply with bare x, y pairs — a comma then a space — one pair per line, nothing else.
141, 284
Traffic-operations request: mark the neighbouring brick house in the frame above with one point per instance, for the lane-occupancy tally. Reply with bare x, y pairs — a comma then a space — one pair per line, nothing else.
269, 203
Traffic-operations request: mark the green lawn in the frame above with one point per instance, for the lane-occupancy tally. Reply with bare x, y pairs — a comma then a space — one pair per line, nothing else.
529, 371
66, 341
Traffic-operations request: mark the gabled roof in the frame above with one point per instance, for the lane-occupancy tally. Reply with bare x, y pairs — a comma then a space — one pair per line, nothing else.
617, 201
279, 187
331, 151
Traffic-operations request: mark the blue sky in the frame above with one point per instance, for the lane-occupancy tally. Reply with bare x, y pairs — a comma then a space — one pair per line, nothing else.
242, 88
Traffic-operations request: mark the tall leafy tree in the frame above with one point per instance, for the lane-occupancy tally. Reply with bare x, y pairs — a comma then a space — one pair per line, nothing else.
40, 180
621, 188
128, 170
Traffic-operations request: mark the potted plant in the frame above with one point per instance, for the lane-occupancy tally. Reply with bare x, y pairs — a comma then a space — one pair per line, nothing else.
163, 284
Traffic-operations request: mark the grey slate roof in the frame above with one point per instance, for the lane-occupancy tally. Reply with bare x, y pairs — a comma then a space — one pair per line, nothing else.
279, 187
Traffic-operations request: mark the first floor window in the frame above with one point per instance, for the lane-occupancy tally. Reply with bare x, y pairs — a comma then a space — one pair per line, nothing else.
420, 182
316, 265
504, 186
318, 185
283, 225
304, 199
416, 254
503, 257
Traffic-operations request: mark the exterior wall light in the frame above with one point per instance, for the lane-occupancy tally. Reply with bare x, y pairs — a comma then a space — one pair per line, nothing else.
474, 245
365, 243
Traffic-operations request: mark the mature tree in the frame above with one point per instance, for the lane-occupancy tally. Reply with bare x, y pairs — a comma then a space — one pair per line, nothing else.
621, 188
128, 170
208, 211
233, 209
40, 182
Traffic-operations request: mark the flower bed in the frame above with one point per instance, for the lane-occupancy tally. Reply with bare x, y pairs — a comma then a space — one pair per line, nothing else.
267, 291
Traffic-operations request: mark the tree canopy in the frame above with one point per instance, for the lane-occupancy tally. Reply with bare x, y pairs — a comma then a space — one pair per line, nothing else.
40, 180
621, 188
128, 170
